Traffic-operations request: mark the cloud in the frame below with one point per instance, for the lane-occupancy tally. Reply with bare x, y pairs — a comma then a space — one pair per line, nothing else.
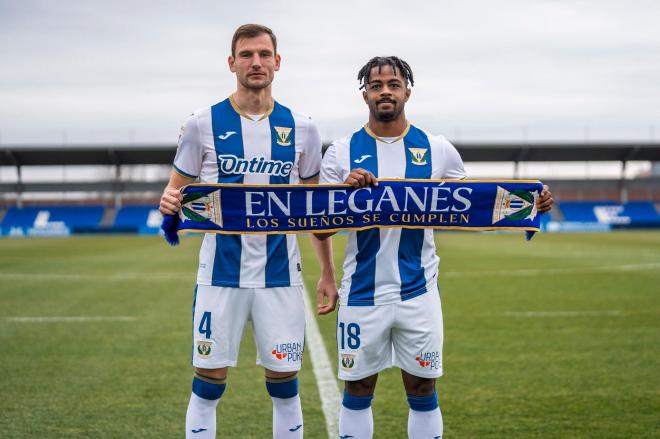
98, 70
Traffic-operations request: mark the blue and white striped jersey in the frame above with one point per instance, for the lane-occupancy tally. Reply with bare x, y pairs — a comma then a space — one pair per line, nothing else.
384, 266
220, 144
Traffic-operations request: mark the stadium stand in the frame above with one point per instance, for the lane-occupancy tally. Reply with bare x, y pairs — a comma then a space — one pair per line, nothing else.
50, 220
637, 214
138, 219
129, 205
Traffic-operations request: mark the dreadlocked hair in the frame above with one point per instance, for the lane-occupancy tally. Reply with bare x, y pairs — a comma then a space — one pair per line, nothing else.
380, 61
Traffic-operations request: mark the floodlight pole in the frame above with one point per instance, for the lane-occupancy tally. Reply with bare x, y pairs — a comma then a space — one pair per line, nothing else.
19, 187
516, 170
623, 189
117, 186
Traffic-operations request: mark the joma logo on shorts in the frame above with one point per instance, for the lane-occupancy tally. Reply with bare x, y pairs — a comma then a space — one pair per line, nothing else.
288, 351
230, 164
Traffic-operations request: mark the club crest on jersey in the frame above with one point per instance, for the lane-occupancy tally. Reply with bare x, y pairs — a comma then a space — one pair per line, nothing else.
418, 156
288, 351
283, 135
515, 205
204, 347
429, 360
347, 361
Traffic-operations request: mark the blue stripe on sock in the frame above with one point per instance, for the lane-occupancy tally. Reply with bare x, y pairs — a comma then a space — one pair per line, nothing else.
207, 390
356, 402
284, 390
423, 403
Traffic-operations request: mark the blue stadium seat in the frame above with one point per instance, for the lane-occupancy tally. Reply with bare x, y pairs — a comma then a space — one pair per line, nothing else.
142, 219
642, 214
50, 220
633, 214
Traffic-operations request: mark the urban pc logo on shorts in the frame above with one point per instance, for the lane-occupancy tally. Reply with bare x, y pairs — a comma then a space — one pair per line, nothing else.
516, 205
204, 347
283, 135
429, 360
418, 156
200, 207
347, 361
288, 351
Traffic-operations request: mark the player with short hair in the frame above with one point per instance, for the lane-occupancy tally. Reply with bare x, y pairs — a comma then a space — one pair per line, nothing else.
390, 312
249, 138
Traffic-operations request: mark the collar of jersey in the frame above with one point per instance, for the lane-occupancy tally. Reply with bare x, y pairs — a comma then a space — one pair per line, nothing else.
380, 139
237, 109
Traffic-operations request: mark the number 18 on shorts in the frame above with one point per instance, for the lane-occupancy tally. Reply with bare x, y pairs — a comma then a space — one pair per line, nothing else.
407, 334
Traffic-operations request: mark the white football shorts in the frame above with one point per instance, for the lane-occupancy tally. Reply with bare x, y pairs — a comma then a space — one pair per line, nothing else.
278, 323
406, 334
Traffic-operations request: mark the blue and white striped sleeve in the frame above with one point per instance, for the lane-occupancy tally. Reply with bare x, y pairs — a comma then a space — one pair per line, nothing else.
190, 151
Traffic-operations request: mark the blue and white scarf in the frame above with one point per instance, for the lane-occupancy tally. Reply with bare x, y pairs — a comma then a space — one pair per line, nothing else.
436, 204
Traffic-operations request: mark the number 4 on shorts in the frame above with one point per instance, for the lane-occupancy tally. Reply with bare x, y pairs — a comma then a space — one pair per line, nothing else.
205, 324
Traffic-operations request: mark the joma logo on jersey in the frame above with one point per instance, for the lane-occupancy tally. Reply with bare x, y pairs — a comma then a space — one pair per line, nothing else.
418, 156
429, 359
283, 135
230, 164
288, 351
204, 348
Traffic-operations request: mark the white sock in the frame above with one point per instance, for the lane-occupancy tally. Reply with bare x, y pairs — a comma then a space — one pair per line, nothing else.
357, 424
425, 425
287, 418
287, 413
200, 418
424, 417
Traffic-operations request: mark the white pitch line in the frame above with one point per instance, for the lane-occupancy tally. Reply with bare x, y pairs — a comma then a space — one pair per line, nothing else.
563, 270
118, 276
70, 319
91, 276
562, 313
325, 379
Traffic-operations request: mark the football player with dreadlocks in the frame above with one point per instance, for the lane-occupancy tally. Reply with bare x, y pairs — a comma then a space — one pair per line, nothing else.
390, 312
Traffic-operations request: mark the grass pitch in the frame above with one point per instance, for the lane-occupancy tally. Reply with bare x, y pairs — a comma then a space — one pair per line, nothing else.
555, 338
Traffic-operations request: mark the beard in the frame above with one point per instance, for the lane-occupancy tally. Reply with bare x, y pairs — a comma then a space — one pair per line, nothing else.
386, 116
255, 85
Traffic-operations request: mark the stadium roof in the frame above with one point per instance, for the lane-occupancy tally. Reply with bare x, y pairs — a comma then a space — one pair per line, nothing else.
558, 152
32, 155
163, 154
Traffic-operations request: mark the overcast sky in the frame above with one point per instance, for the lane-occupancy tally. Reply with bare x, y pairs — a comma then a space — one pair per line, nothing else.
106, 71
